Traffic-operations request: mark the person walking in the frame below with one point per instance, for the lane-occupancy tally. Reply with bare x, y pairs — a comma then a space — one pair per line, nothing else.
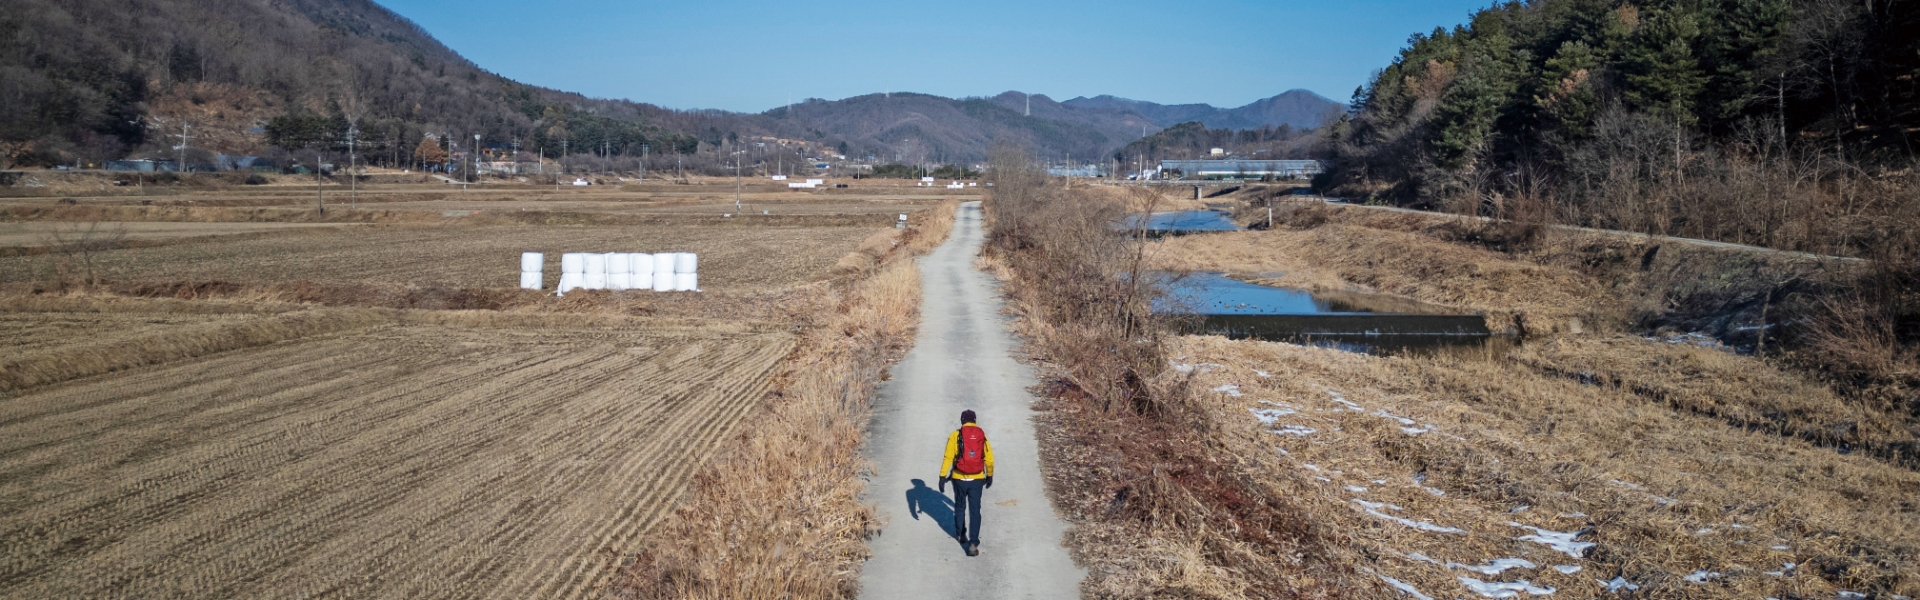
968, 463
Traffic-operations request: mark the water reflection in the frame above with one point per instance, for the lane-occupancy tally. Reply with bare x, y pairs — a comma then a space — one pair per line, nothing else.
1216, 304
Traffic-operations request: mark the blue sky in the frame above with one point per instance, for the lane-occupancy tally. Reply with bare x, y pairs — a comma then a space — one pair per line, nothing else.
751, 56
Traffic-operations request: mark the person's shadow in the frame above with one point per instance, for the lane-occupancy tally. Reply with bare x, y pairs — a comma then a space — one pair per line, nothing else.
937, 506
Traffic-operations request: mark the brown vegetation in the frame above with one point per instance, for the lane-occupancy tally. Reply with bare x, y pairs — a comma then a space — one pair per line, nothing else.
1666, 486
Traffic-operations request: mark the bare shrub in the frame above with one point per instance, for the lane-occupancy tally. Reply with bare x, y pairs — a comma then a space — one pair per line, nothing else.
78, 247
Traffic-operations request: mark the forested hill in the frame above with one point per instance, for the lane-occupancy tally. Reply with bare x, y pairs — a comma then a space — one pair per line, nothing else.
1579, 97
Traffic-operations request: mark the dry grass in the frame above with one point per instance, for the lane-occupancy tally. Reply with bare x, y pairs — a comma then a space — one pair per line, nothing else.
778, 515
403, 461
1663, 490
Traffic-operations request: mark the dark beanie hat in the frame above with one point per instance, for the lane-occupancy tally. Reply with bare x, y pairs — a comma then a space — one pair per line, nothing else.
966, 416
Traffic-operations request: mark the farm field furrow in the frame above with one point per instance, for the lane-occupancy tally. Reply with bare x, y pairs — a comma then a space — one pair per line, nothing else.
403, 461
465, 256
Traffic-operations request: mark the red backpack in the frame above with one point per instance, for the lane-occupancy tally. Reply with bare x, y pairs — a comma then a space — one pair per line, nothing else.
972, 459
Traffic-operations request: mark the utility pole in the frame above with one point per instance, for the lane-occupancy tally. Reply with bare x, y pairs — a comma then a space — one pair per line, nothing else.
643, 164
182, 165
563, 164
736, 182
320, 196
474, 171
353, 183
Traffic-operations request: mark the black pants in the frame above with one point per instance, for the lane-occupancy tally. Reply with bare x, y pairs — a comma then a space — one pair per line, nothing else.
966, 509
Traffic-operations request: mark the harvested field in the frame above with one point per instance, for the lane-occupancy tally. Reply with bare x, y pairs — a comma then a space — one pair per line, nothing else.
731, 258
28, 333
41, 233
1438, 467
509, 461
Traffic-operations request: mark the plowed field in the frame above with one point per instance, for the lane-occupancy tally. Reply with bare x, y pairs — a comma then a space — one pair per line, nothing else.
397, 462
731, 258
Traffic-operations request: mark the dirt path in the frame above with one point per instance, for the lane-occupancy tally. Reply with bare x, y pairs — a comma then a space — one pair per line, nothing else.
962, 360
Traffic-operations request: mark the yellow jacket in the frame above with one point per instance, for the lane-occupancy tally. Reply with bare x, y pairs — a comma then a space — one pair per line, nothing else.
953, 448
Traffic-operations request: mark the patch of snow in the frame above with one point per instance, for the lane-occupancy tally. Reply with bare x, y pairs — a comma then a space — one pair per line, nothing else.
1356, 489
1324, 480
1848, 595
1311, 467
1434, 491
1229, 389
1379, 482
1704, 531
1561, 541
1619, 583
1268, 416
1204, 367
1299, 430
1783, 547
1420, 525
1403, 420
1631, 485
1573, 515
1785, 568
1422, 558
1567, 569
1503, 589
1262, 374
1520, 508
1662, 500
1343, 401
1402, 586
1702, 576
1495, 566
1415, 430
1392, 507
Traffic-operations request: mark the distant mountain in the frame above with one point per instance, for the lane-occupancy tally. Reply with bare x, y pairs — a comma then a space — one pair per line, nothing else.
911, 127
1300, 109
87, 81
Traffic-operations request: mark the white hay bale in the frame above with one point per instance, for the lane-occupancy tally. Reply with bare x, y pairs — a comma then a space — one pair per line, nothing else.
641, 280
596, 264
619, 263
686, 282
530, 281
686, 262
663, 282
532, 262
619, 281
571, 281
595, 281
573, 262
663, 264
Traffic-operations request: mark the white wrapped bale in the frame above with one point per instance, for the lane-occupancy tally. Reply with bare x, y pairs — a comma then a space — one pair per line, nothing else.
640, 280
686, 282
595, 281
571, 281
532, 262
573, 262
663, 282
618, 264
686, 262
596, 264
530, 281
619, 281
663, 264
